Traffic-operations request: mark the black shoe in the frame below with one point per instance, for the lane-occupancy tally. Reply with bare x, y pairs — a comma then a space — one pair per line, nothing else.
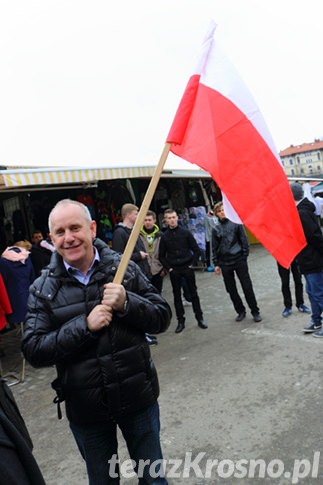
180, 327
151, 339
257, 317
241, 316
201, 323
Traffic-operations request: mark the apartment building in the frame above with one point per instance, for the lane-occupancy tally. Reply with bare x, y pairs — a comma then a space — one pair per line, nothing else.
303, 160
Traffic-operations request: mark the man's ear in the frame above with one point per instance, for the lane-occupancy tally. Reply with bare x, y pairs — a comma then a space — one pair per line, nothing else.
93, 228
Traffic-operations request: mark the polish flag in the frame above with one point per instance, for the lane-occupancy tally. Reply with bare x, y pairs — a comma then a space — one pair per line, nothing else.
219, 127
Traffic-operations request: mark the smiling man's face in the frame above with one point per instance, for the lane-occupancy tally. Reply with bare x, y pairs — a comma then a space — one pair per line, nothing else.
72, 235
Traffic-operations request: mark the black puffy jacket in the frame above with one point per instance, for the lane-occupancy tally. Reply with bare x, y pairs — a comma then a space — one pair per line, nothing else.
101, 375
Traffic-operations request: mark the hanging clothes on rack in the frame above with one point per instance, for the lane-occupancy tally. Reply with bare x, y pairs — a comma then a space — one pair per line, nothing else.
18, 273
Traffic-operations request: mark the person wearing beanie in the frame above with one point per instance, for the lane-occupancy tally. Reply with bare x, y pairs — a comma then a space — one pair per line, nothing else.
310, 259
297, 191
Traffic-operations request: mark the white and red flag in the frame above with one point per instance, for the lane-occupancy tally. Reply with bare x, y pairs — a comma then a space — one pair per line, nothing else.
219, 127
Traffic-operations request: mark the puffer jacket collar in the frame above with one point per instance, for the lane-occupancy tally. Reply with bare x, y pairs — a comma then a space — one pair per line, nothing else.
107, 257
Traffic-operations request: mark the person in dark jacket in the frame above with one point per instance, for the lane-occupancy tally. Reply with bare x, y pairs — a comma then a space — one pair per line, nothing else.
93, 331
120, 237
178, 252
230, 253
310, 259
40, 255
121, 234
17, 465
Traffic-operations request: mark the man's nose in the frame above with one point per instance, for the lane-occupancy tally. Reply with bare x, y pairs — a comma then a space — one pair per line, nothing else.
68, 235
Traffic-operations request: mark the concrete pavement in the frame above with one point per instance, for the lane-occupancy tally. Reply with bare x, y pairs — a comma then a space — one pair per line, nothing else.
236, 391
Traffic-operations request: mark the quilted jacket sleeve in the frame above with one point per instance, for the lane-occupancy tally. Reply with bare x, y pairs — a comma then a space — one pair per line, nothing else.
45, 341
55, 329
147, 310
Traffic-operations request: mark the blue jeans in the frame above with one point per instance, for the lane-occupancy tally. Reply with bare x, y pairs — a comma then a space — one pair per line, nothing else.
99, 447
314, 289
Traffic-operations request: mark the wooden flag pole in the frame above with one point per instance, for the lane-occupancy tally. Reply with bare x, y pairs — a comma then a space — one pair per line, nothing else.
141, 216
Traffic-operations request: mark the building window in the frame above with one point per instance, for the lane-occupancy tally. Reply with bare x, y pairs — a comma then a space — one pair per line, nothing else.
292, 172
302, 170
290, 161
319, 168
308, 160
298, 160
318, 156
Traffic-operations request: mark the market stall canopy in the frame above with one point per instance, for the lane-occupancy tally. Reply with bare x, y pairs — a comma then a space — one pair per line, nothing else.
22, 178
69, 176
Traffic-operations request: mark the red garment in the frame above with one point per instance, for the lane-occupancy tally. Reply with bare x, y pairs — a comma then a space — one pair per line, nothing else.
5, 307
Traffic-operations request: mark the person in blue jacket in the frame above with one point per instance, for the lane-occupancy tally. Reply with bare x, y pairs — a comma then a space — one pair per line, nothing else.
18, 273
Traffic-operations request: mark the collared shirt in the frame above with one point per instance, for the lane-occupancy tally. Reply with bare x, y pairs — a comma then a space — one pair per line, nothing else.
77, 274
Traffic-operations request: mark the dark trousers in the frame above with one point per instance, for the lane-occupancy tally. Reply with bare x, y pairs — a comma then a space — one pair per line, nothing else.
176, 280
99, 447
285, 279
186, 291
242, 272
157, 281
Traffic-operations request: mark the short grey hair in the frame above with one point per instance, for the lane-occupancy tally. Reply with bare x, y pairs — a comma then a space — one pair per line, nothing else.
86, 212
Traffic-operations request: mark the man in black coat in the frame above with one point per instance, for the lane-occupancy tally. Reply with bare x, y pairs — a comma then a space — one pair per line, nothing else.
17, 464
40, 255
121, 234
230, 252
93, 331
120, 237
310, 259
178, 252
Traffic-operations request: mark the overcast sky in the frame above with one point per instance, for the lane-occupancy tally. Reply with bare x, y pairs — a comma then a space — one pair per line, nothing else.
97, 82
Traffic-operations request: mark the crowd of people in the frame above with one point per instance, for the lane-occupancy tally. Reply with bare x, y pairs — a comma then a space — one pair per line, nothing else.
97, 333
